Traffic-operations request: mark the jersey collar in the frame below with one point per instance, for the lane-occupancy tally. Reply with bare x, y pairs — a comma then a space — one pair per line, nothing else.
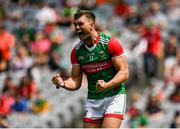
96, 42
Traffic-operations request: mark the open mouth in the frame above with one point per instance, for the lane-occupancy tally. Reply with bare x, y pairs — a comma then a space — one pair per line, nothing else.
80, 33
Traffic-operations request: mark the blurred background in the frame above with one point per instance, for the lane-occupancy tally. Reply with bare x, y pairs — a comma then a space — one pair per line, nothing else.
36, 39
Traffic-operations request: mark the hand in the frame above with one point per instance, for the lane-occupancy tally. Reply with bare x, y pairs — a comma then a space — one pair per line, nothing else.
57, 80
100, 85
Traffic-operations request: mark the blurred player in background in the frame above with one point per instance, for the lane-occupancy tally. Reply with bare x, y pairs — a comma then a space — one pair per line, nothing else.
102, 59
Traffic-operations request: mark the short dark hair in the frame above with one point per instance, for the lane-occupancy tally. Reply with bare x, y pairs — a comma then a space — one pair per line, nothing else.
87, 13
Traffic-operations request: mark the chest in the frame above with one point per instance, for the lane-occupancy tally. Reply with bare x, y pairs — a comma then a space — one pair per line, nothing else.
97, 53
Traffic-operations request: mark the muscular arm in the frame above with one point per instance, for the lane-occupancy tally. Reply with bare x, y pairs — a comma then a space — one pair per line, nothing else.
74, 82
120, 64
122, 74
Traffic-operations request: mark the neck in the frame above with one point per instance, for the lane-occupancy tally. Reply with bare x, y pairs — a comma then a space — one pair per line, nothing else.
92, 39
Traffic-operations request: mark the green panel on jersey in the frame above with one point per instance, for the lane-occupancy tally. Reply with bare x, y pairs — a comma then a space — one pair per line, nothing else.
96, 63
105, 75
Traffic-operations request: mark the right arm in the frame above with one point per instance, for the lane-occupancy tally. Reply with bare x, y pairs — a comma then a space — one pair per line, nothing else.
73, 82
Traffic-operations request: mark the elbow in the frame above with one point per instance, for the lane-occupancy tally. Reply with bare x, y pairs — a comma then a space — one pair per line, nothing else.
74, 88
126, 75
77, 88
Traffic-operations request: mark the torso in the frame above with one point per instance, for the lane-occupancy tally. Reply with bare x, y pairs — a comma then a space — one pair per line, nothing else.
97, 64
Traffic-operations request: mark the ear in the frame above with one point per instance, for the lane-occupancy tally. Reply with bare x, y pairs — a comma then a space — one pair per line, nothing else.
92, 25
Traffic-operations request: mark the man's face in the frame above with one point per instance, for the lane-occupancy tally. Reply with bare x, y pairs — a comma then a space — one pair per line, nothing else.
83, 27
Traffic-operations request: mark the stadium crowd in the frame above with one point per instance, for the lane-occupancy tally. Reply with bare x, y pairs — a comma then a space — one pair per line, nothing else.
37, 36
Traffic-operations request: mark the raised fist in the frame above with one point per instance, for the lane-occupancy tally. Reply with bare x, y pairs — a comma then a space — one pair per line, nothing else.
100, 85
57, 80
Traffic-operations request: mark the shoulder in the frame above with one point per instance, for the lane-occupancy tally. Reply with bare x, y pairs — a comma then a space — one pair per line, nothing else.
114, 41
104, 38
115, 47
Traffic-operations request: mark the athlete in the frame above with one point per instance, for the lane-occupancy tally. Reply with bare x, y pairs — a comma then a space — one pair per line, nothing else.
102, 59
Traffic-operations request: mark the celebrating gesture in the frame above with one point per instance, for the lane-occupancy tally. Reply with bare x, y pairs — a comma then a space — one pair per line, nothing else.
101, 58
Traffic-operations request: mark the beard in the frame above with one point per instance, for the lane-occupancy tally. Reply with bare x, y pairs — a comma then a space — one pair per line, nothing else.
83, 36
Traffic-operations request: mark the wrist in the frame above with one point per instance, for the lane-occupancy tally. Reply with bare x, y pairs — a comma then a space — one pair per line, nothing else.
61, 84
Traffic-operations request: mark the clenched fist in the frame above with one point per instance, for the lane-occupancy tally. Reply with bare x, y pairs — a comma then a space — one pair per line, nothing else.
100, 85
57, 80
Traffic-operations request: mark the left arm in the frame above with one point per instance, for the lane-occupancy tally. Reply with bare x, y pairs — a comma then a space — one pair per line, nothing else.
121, 76
120, 64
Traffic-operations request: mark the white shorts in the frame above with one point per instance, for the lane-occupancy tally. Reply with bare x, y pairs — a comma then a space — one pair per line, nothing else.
95, 110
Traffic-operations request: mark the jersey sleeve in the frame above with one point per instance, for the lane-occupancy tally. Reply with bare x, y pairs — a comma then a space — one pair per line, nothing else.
74, 60
115, 48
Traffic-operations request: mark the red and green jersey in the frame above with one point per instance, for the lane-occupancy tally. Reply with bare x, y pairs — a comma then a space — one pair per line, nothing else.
96, 63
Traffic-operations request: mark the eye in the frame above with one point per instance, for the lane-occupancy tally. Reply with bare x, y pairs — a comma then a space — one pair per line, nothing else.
75, 24
80, 23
